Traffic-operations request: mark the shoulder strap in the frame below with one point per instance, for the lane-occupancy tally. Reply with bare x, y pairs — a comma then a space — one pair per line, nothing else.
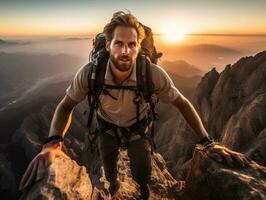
96, 82
145, 83
144, 77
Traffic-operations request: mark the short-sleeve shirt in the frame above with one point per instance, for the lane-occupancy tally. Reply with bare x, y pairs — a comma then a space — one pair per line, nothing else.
121, 110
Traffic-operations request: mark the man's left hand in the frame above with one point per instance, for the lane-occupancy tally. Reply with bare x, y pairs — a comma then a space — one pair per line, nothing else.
219, 153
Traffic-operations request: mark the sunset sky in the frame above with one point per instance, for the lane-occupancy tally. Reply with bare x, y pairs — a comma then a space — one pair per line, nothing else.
85, 17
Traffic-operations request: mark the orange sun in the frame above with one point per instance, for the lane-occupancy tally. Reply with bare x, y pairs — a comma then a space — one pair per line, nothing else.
173, 33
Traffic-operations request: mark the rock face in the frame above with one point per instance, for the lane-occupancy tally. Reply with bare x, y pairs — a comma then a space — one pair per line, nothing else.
59, 183
162, 185
232, 105
206, 180
239, 89
211, 180
65, 179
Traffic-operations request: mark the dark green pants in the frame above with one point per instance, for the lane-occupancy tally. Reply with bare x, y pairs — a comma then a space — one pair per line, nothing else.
139, 152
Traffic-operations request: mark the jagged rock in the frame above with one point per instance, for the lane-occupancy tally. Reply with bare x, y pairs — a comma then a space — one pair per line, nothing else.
244, 126
203, 90
65, 179
257, 151
209, 180
206, 180
233, 111
59, 183
162, 185
236, 85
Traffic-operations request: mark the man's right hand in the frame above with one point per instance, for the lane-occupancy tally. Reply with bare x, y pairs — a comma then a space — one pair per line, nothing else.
39, 165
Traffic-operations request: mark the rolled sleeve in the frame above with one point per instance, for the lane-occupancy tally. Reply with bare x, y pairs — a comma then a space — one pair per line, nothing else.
164, 86
78, 89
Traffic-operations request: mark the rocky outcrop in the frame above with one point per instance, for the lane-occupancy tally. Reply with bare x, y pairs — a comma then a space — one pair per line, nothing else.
59, 183
206, 180
215, 181
234, 88
246, 125
203, 91
233, 105
257, 151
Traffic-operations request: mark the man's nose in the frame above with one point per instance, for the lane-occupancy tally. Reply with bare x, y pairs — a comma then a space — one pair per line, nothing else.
125, 50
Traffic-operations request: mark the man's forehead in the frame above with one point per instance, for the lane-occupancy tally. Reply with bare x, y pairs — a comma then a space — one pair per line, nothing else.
123, 33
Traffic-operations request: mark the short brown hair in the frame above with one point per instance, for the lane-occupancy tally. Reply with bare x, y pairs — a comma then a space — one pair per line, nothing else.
121, 18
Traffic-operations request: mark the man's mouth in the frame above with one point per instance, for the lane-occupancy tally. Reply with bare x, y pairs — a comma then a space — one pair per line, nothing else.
124, 60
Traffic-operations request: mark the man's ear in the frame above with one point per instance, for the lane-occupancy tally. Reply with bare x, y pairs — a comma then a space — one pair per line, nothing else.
107, 46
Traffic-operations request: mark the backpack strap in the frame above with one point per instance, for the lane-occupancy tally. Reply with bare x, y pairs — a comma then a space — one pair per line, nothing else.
96, 82
136, 100
145, 83
117, 87
146, 86
120, 87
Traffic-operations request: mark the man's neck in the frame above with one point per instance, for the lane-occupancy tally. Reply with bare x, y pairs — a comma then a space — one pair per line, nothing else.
119, 76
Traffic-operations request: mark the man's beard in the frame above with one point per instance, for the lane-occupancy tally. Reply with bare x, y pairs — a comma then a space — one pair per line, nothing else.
123, 67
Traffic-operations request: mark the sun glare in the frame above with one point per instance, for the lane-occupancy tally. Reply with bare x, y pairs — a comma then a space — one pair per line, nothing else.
173, 33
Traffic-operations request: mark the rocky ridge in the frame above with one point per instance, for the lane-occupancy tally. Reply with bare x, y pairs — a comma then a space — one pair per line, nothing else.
231, 105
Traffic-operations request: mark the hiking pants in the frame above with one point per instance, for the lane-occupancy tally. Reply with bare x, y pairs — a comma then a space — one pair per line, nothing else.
139, 152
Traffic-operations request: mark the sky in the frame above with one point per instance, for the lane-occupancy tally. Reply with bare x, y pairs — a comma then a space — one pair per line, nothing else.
87, 17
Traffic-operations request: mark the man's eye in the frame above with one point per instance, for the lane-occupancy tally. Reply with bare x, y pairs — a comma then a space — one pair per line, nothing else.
118, 44
132, 45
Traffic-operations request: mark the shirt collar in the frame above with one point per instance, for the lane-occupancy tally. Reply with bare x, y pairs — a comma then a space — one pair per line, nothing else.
109, 77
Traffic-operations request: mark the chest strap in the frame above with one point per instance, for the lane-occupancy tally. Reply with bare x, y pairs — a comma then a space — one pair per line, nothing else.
137, 99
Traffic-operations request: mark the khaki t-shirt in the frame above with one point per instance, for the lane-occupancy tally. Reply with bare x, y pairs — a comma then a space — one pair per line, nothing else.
122, 111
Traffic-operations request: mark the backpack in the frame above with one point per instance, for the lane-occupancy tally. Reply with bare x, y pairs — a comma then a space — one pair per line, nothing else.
145, 87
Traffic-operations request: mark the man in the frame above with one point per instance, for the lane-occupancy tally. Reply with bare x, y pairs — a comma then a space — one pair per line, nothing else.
124, 35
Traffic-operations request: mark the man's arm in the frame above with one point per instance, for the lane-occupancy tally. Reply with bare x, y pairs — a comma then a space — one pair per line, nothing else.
59, 125
190, 115
62, 117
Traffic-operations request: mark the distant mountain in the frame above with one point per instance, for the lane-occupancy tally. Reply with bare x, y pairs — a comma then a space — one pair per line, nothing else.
181, 68
78, 38
203, 56
202, 49
20, 71
186, 85
7, 42
212, 49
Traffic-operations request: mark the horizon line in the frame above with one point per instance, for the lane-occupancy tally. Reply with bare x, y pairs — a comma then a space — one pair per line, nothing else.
224, 34
156, 34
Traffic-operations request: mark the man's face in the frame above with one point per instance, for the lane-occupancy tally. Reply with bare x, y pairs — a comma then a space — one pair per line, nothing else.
123, 48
